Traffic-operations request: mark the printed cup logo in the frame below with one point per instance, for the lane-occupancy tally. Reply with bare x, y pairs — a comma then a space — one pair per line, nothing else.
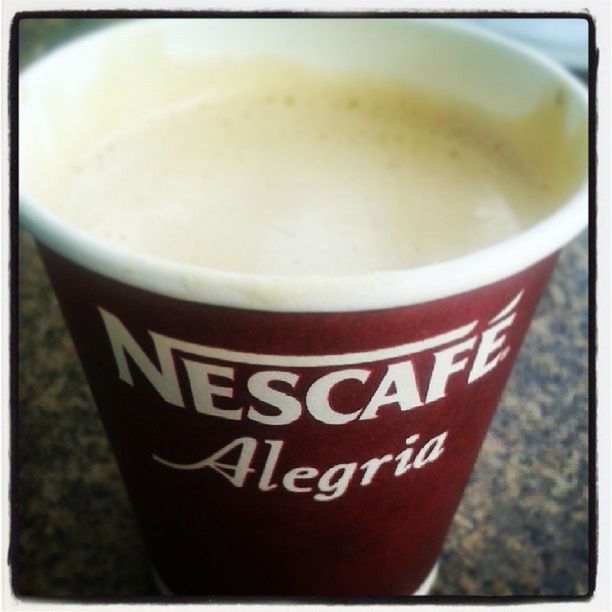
331, 482
282, 389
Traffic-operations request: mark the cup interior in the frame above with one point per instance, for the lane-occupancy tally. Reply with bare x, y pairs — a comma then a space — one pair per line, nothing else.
111, 79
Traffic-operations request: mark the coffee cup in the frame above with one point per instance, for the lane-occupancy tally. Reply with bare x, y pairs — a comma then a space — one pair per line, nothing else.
306, 433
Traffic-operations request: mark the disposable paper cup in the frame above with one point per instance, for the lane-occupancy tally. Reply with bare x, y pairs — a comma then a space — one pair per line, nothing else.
290, 435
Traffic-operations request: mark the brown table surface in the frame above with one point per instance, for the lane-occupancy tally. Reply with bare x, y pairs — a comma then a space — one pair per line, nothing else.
521, 529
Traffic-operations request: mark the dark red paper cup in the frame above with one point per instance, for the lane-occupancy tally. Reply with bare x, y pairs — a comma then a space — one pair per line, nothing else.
293, 436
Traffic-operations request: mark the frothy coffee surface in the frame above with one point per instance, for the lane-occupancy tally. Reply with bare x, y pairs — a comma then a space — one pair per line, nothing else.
285, 170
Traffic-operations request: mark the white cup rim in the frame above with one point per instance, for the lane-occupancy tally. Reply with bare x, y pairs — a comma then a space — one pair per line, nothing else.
308, 293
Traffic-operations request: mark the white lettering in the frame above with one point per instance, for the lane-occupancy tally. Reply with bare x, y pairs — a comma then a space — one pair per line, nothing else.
403, 459
204, 391
399, 386
164, 380
335, 481
259, 387
332, 483
236, 473
265, 483
299, 473
489, 343
371, 467
317, 398
430, 451
444, 366
279, 403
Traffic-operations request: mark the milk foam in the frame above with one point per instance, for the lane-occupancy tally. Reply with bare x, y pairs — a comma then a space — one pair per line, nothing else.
291, 171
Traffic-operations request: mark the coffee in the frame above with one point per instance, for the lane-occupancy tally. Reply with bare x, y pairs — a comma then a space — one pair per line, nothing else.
280, 168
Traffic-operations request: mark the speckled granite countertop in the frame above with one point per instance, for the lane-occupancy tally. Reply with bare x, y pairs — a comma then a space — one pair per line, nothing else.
521, 529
